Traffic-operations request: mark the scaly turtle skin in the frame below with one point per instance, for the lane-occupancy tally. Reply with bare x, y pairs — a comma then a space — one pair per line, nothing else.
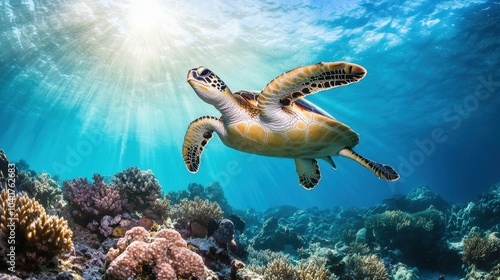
277, 121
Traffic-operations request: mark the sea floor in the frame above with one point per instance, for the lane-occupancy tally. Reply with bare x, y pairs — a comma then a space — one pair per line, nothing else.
126, 227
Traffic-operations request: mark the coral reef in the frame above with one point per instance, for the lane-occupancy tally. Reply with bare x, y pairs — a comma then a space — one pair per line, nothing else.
401, 271
4, 164
225, 233
213, 192
113, 225
38, 236
140, 188
417, 234
41, 187
88, 202
166, 254
4, 170
22, 165
276, 238
421, 198
480, 251
283, 267
193, 216
97, 206
365, 267
392, 240
483, 213
91, 201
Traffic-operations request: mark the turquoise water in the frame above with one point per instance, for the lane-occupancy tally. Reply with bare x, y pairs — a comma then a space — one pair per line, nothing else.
98, 86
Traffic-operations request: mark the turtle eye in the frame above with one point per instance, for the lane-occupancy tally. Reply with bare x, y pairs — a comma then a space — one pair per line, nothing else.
202, 71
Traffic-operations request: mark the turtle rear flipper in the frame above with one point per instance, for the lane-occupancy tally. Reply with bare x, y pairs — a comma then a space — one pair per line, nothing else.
381, 170
197, 136
308, 171
330, 161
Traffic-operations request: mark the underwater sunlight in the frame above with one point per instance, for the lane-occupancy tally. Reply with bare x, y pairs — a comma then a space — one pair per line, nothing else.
106, 106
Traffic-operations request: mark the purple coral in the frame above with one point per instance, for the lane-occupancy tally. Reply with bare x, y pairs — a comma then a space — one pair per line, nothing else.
108, 223
166, 251
78, 193
91, 201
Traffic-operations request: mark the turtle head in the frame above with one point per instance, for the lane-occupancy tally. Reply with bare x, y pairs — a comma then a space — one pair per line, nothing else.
207, 85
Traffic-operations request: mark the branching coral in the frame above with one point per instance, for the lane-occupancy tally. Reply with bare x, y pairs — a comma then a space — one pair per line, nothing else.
390, 224
166, 253
213, 192
365, 267
481, 251
195, 215
279, 266
313, 269
41, 187
78, 193
416, 235
140, 188
91, 201
38, 236
106, 199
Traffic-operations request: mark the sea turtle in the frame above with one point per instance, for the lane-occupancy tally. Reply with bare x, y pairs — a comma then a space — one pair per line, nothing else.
277, 121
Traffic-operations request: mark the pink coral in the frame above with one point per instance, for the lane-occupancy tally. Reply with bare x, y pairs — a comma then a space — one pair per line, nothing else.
166, 251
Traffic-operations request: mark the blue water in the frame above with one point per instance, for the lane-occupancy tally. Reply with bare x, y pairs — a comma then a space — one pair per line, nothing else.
98, 86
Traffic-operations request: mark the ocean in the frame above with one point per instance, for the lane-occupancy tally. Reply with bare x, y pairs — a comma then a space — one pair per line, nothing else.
99, 86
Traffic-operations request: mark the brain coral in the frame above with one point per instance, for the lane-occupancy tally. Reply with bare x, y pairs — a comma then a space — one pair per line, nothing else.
38, 236
166, 254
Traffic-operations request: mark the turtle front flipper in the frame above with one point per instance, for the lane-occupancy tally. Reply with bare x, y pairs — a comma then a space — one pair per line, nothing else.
197, 136
301, 81
381, 170
308, 171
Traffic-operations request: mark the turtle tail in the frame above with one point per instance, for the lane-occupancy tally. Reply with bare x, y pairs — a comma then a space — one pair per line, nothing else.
381, 170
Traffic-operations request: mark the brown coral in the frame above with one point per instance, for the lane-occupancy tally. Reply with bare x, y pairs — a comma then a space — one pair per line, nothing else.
197, 210
36, 233
481, 251
277, 266
365, 267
